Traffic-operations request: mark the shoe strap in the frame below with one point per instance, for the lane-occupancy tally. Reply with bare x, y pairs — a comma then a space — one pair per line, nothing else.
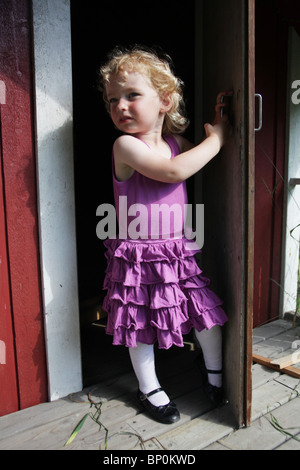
144, 396
214, 371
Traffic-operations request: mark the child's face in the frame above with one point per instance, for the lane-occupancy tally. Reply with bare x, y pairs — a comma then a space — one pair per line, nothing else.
135, 106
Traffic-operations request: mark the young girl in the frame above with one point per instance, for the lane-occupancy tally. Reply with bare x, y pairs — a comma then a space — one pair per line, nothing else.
155, 289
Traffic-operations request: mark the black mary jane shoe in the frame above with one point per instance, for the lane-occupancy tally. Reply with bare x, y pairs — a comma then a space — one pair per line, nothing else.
166, 414
215, 394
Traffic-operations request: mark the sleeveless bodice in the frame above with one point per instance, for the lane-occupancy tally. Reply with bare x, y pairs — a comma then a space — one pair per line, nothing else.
150, 209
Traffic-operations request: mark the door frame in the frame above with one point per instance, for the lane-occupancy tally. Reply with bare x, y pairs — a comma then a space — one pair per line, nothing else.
56, 200
52, 46
250, 204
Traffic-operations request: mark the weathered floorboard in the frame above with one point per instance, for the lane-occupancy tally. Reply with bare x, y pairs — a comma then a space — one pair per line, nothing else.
49, 425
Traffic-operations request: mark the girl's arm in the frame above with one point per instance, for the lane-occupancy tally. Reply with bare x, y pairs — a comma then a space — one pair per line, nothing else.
131, 152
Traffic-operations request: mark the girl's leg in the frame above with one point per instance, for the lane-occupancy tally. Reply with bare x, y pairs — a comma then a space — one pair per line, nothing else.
143, 363
211, 345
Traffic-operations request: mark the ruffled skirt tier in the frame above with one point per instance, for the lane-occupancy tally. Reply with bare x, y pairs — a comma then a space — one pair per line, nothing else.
156, 293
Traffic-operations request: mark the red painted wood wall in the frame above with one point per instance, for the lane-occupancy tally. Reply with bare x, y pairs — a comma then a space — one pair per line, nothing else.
273, 18
23, 373
8, 379
269, 161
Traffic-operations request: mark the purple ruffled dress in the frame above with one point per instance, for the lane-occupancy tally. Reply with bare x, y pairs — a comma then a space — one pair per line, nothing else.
155, 289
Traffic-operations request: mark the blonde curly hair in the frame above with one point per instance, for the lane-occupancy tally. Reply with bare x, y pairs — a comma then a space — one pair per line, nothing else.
158, 68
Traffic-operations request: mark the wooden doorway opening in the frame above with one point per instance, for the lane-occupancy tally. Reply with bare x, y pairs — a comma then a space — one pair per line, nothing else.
190, 43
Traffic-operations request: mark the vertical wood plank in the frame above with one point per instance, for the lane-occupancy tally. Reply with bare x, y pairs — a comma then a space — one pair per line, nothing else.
9, 402
55, 167
250, 123
19, 182
226, 188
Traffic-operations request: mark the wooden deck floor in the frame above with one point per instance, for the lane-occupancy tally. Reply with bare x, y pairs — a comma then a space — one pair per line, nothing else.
275, 397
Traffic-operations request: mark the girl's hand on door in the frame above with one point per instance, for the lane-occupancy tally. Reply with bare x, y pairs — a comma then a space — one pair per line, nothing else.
220, 126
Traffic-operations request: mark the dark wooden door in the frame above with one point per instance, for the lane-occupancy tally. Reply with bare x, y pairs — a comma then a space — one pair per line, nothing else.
228, 188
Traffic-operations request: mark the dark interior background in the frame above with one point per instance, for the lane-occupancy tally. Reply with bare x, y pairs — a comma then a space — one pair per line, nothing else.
96, 29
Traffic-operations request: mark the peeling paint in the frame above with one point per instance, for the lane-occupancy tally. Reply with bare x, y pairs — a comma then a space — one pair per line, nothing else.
2, 92
2, 352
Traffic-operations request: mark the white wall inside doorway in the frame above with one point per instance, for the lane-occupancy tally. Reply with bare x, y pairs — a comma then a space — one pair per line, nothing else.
291, 233
54, 130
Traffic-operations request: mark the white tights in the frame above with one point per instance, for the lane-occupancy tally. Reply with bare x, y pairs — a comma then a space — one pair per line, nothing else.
143, 363
211, 345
